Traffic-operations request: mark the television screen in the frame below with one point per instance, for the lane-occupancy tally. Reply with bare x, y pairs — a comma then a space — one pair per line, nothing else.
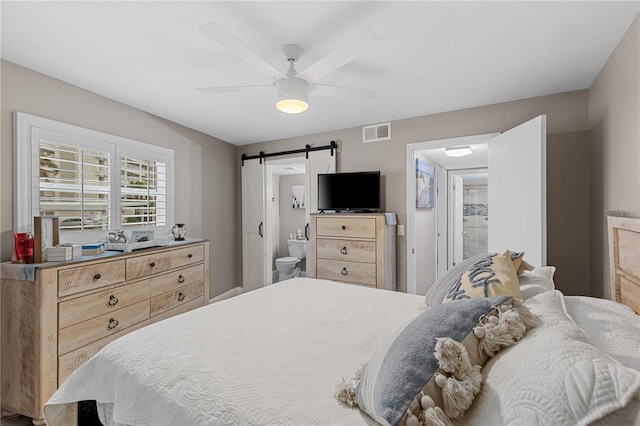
358, 191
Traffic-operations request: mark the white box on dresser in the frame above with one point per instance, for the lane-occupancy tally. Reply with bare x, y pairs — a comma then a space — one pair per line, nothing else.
356, 248
55, 320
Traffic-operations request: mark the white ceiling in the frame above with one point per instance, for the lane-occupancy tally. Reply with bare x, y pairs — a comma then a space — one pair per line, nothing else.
433, 57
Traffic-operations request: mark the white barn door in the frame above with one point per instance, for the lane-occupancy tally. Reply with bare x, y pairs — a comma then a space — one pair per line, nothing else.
253, 224
517, 191
318, 162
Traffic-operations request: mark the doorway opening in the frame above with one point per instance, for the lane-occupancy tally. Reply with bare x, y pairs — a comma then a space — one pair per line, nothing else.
514, 163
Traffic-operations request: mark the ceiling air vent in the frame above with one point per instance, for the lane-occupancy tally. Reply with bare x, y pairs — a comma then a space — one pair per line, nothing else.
376, 132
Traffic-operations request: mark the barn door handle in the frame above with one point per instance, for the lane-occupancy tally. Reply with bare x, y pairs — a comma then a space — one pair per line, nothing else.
306, 231
260, 229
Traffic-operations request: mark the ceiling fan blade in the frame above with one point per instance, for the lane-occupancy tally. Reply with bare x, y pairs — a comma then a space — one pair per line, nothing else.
341, 56
326, 90
238, 48
235, 89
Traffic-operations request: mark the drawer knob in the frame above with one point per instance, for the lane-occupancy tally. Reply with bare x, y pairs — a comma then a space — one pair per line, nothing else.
181, 279
97, 277
181, 296
113, 301
189, 255
344, 272
344, 227
113, 323
152, 264
343, 250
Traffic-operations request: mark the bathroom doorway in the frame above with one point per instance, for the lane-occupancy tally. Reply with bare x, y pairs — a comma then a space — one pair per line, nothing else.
286, 211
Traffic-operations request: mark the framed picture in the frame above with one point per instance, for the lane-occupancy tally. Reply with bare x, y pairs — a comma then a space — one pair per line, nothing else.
425, 172
298, 196
45, 234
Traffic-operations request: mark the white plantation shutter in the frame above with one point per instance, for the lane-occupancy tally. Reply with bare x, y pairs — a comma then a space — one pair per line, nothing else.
75, 184
143, 192
91, 180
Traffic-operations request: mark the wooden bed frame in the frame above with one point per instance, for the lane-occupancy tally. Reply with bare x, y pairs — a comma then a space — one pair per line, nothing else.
624, 258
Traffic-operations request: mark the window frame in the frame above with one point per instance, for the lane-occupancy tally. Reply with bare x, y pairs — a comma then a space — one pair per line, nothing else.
29, 129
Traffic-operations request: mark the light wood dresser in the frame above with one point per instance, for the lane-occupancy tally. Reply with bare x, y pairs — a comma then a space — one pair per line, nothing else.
357, 248
624, 257
68, 311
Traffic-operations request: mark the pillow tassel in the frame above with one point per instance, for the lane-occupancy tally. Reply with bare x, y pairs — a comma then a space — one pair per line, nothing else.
434, 416
501, 331
346, 390
525, 314
457, 397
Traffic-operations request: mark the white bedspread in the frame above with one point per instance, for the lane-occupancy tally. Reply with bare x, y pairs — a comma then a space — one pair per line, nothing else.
271, 356
275, 356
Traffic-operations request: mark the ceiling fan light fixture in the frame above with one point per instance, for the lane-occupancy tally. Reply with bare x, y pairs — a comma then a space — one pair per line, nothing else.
458, 151
293, 95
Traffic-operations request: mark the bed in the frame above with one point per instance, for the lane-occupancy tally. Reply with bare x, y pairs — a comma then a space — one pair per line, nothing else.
287, 354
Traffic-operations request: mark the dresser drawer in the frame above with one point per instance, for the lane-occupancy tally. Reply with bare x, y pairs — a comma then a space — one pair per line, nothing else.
175, 298
82, 334
346, 227
163, 261
86, 307
349, 250
356, 272
83, 278
180, 309
69, 362
172, 280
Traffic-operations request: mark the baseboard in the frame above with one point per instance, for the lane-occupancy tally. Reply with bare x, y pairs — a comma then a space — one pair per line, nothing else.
226, 295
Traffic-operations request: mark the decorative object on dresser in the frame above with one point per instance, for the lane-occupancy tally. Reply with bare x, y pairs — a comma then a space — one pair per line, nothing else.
179, 231
358, 248
46, 233
56, 316
624, 257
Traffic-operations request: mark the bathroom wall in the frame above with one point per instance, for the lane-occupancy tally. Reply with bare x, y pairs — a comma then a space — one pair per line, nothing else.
290, 219
273, 202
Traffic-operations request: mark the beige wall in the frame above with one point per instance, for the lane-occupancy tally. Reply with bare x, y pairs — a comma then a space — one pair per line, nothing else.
614, 123
205, 168
567, 123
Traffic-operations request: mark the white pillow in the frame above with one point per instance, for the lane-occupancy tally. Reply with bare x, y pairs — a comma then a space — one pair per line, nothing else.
536, 281
553, 376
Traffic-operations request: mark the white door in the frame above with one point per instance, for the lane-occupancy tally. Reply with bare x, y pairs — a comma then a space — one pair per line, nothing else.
318, 162
441, 221
253, 224
517, 191
456, 236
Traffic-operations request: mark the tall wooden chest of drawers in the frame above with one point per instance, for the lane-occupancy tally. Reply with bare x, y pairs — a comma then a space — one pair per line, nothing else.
69, 311
358, 248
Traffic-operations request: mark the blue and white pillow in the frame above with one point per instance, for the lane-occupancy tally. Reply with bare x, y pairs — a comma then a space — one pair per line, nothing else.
429, 370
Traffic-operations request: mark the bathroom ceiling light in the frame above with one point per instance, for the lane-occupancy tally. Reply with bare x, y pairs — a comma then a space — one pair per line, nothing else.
458, 151
293, 95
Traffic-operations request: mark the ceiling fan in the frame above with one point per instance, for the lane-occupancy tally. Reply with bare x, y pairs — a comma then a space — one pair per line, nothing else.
293, 87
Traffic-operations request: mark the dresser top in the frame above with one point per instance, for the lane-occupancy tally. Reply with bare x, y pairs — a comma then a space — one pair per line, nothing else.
26, 272
623, 213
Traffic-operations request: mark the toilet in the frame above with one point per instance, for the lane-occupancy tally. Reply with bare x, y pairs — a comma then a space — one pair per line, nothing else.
288, 266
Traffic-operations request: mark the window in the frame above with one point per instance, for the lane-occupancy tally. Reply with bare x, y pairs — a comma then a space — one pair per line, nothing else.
92, 181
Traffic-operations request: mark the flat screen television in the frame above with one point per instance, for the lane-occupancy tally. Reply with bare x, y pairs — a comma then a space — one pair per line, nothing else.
353, 192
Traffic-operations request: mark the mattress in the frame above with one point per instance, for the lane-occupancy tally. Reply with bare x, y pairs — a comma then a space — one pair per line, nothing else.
276, 355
